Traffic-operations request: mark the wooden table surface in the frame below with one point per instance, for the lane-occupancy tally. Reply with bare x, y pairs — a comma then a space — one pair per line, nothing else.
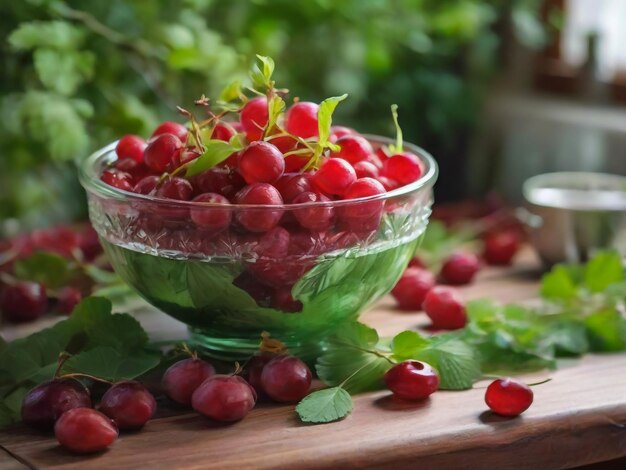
578, 418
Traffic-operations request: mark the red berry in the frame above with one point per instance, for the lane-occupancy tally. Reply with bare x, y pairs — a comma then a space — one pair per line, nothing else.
182, 378
131, 146
363, 216
259, 219
284, 143
334, 177
129, 404
388, 183
85, 430
283, 300
261, 162
286, 379
255, 369
459, 268
319, 217
500, 248
147, 185
224, 398
222, 132
417, 262
412, 380
45, 403
365, 169
161, 151
294, 163
23, 301
508, 397
211, 218
290, 185
354, 148
89, 243
445, 308
170, 127
411, 289
219, 180
301, 119
337, 132
117, 179
253, 118
175, 188
405, 168
67, 299
136, 170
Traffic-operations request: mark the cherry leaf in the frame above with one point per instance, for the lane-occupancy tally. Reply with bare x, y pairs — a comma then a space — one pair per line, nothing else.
231, 92
216, 151
397, 148
261, 74
275, 107
325, 121
325, 406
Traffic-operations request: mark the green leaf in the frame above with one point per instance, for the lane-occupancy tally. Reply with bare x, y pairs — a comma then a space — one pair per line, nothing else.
216, 151
261, 74
398, 147
48, 268
407, 344
604, 269
606, 330
558, 284
56, 34
325, 121
276, 105
63, 71
568, 335
325, 406
109, 363
231, 92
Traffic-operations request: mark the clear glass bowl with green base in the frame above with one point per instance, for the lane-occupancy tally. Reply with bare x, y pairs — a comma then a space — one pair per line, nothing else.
230, 287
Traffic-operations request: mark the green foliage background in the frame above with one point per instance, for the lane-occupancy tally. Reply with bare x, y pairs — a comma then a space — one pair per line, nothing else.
78, 74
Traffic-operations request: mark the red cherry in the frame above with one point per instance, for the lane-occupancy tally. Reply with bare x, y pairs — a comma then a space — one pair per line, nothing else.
261, 162
445, 309
211, 218
363, 216
337, 132
405, 168
253, 118
388, 183
334, 177
284, 143
84, 430
301, 119
224, 398
45, 403
365, 169
459, 268
137, 170
286, 379
295, 163
222, 132
182, 378
89, 243
283, 300
220, 181
354, 148
412, 380
290, 185
175, 188
131, 146
255, 369
129, 404
147, 185
23, 301
508, 397
117, 179
259, 219
316, 218
501, 248
161, 151
170, 127
411, 289
67, 299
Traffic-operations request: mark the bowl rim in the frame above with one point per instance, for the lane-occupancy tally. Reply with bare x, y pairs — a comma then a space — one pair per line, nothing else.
92, 183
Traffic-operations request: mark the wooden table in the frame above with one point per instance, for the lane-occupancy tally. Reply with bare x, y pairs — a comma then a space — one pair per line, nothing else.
577, 419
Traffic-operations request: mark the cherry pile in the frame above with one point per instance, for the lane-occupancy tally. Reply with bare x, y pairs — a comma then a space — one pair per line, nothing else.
23, 300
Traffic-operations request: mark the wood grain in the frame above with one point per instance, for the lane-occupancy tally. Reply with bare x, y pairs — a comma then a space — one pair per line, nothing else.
578, 418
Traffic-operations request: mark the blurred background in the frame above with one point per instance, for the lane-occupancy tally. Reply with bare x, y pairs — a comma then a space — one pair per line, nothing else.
496, 90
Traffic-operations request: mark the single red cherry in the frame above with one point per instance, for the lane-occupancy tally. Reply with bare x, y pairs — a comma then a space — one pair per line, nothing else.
364, 169
301, 119
445, 309
147, 185
45, 403
334, 177
291, 185
224, 398
286, 379
354, 148
129, 404
131, 146
259, 219
261, 162
404, 167
412, 380
161, 151
501, 248
363, 216
211, 218
85, 430
283, 300
68, 298
182, 378
253, 118
337, 132
389, 183
117, 179
254, 369
175, 188
459, 268
23, 301
220, 181
284, 143
410, 291
223, 132
170, 127
317, 217
508, 397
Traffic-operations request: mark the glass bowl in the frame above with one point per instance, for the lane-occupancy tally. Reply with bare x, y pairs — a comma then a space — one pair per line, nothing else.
230, 286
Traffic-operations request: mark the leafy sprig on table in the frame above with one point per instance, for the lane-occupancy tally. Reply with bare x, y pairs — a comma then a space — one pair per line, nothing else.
580, 311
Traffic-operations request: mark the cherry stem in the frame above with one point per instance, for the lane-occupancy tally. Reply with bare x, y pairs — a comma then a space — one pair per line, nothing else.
79, 375
540, 382
63, 356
